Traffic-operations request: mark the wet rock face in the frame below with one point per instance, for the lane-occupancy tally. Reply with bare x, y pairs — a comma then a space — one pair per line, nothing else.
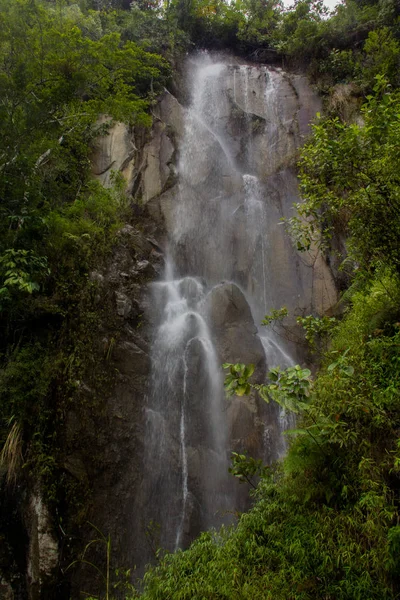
235, 181
252, 122
216, 177
229, 307
237, 341
157, 170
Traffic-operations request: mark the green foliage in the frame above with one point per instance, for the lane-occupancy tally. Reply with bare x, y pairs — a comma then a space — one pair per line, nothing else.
340, 65
341, 364
105, 541
304, 230
316, 328
394, 548
374, 311
289, 388
246, 468
281, 549
357, 40
328, 45
275, 315
155, 32
25, 383
21, 271
300, 29
350, 182
236, 383
60, 69
262, 20
53, 90
382, 53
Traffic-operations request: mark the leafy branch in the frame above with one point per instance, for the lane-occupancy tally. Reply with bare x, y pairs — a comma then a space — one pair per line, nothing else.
245, 468
289, 388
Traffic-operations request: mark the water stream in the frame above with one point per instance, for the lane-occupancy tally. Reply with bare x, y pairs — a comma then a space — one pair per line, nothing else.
225, 229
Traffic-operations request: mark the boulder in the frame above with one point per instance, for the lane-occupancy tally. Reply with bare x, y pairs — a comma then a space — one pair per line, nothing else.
124, 305
157, 163
170, 112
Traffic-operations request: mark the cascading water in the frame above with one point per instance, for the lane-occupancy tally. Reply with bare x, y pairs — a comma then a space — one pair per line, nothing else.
228, 263
183, 350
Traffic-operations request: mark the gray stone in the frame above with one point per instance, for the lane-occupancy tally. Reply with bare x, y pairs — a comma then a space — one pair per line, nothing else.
162, 207
113, 152
169, 111
43, 552
124, 305
236, 340
96, 277
143, 266
157, 170
228, 306
157, 156
276, 108
136, 239
131, 359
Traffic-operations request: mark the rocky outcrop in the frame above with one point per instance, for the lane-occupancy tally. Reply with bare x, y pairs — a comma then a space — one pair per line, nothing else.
43, 552
231, 321
157, 170
113, 151
278, 107
146, 159
158, 167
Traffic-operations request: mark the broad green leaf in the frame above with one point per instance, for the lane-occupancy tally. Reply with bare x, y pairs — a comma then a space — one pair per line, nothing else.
249, 370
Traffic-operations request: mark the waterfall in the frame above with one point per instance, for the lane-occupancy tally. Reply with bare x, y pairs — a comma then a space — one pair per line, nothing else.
182, 350
228, 264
